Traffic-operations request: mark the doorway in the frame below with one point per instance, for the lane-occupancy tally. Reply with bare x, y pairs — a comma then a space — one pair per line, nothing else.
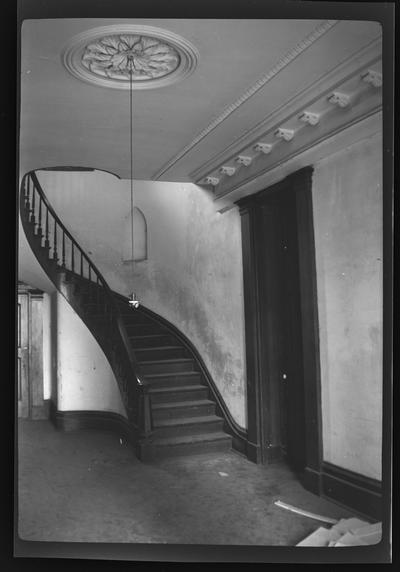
31, 403
280, 318
281, 326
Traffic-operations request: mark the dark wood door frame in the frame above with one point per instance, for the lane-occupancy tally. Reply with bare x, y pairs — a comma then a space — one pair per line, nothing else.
261, 447
36, 408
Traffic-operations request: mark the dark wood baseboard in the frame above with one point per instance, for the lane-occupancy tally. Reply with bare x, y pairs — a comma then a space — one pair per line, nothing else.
103, 420
357, 492
41, 411
311, 480
76, 420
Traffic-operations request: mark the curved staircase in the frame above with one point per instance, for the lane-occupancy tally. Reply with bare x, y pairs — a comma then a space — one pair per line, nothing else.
171, 408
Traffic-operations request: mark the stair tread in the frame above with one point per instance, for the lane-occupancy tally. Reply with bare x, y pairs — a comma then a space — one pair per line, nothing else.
159, 348
172, 374
147, 336
174, 404
176, 388
170, 360
187, 421
187, 439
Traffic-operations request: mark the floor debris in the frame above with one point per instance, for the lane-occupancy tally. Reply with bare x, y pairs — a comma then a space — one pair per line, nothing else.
347, 532
306, 512
223, 474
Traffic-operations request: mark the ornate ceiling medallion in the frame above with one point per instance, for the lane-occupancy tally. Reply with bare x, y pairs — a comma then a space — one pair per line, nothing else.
107, 56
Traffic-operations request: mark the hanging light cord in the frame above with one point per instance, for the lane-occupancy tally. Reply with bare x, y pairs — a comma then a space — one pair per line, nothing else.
131, 159
133, 302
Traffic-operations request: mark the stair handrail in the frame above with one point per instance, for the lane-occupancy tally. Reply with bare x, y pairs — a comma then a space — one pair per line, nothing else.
144, 416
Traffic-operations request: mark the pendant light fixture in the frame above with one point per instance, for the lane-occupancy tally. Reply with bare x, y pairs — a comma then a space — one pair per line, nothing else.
133, 302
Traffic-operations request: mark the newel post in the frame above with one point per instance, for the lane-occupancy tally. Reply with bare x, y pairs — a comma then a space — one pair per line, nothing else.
144, 447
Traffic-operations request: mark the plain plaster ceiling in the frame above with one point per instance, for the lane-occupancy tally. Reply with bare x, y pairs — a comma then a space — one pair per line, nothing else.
65, 121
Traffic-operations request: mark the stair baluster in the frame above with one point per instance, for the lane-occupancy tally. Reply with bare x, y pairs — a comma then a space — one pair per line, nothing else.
63, 250
39, 228
55, 253
103, 317
32, 217
47, 241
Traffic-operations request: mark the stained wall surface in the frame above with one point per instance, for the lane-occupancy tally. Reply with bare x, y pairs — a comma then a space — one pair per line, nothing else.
193, 277
193, 272
347, 197
85, 380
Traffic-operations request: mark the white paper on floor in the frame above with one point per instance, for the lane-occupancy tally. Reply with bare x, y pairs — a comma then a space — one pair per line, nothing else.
347, 532
305, 512
223, 474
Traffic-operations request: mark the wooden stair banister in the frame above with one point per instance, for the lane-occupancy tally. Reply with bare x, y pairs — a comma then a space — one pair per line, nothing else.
65, 262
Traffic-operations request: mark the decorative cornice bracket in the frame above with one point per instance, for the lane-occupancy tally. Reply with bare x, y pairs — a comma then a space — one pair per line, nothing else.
211, 181
243, 160
286, 134
226, 170
263, 148
339, 99
372, 77
310, 118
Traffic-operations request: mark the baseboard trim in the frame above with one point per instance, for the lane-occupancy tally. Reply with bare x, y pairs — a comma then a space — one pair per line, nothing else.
103, 420
40, 411
355, 491
311, 480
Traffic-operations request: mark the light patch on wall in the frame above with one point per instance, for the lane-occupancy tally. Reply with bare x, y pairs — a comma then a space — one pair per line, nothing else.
139, 225
348, 237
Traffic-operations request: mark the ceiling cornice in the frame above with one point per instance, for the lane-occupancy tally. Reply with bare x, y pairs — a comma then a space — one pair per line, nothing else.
352, 66
281, 64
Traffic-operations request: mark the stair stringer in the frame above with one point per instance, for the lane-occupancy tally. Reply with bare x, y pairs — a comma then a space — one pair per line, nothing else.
238, 434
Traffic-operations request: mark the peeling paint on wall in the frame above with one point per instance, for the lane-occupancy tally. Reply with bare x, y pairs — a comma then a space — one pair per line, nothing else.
193, 274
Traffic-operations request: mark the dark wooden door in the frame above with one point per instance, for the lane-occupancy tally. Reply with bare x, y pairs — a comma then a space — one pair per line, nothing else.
281, 324
23, 355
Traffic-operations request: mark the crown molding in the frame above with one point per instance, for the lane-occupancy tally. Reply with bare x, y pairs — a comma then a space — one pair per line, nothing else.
282, 63
356, 64
363, 128
329, 130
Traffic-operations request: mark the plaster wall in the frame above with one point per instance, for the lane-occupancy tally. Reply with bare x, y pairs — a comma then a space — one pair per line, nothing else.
85, 380
193, 272
193, 277
347, 198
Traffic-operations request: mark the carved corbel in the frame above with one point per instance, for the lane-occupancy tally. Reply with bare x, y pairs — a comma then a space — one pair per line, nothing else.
339, 99
286, 134
243, 160
372, 77
211, 181
310, 118
262, 148
226, 170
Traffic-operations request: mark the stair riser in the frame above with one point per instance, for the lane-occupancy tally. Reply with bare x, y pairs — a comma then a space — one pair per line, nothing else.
162, 452
160, 353
180, 412
179, 396
143, 329
133, 319
184, 430
156, 341
174, 380
165, 367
